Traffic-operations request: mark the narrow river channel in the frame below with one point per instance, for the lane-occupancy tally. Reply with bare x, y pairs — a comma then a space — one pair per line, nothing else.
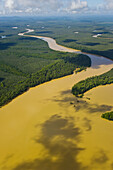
47, 128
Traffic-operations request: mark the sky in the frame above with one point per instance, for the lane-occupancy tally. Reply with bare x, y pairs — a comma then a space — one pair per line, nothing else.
54, 7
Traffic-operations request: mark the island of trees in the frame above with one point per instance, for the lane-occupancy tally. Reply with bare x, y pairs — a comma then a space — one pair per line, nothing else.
108, 116
83, 86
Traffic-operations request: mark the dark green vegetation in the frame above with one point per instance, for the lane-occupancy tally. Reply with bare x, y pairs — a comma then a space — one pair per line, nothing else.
16, 82
85, 85
64, 31
108, 115
26, 62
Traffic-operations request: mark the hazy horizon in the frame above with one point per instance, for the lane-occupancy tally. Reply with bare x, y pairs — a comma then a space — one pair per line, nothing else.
55, 7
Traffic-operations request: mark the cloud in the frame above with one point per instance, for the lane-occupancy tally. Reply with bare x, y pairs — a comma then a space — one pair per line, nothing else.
43, 6
76, 6
9, 4
109, 4
53, 7
30, 6
106, 6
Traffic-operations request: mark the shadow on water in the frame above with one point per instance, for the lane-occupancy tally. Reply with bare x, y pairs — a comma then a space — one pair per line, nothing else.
87, 124
80, 104
59, 136
100, 157
65, 92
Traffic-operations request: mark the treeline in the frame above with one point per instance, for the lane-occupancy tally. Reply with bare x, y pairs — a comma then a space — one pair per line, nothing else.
108, 115
85, 85
58, 69
108, 53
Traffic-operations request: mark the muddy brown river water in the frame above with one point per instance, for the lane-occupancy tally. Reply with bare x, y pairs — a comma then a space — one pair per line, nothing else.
41, 130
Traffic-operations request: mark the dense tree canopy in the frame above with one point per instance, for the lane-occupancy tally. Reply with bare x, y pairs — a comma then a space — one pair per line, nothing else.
85, 85
108, 115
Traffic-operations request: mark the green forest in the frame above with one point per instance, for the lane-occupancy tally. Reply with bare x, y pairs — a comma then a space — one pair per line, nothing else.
26, 62
18, 82
89, 83
78, 33
108, 116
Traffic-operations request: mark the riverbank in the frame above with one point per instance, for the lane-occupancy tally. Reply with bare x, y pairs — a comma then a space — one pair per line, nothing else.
41, 129
47, 108
49, 65
92, 82
62, 67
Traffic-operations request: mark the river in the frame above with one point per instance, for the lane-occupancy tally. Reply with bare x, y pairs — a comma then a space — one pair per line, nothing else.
47, 128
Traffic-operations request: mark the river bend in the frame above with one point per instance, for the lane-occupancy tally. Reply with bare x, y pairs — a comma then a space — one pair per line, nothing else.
47, 128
